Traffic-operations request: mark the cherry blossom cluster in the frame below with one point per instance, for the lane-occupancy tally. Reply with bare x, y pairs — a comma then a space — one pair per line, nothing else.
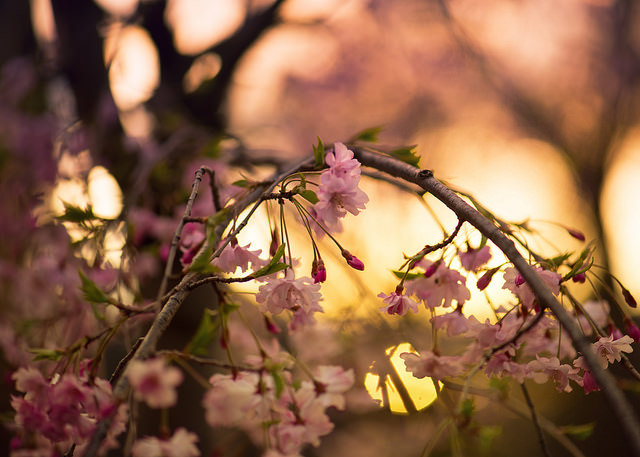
502, 348
55, 414
278, 414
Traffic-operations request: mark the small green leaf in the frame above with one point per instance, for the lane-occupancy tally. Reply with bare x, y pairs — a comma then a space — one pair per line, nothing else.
217, 218
273, 266
407, 154
369, 135
199, 344
318, 154
309, 195
241, 183
278, 382
579, 432
467, 408
46, 354
202, 262
76, 214
92, 292
401, 274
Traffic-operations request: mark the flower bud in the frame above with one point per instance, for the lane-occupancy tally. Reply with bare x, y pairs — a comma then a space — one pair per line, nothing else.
318, 271
632, 329
352, 260
485, 279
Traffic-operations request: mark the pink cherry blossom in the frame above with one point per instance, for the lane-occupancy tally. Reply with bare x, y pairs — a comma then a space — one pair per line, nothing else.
610, 350
515, 283
234, 256
300, 296
472, 259
443, 287
154, 382
232, 401
181, 444
331, 382
544, 368
455, 323
341, 162
428, 364
398, 303
502, 365
337, 196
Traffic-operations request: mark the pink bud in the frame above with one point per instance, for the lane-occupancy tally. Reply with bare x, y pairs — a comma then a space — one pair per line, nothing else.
576, 234
432, 269
485, 279
318, 271
519, 280
352, 260
580, 277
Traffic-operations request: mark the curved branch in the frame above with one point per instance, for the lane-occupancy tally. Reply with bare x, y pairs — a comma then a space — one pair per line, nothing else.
465, 212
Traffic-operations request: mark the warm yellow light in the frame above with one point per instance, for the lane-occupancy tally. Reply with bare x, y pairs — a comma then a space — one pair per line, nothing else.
198, 24
134, 68
104, 193
44, 25
421, 391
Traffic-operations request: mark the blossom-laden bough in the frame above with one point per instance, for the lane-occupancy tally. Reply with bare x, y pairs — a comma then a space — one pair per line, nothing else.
277, 400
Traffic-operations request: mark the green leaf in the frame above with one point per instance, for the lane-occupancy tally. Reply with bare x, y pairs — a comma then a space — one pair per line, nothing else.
202, 262
278, 382
241, 183
467, 408
579, 432
400, 274
369, 135
199, 344
217, 218
46, 354
92, 292
309, 195
318, 154
73, 213
407, 154
273, 266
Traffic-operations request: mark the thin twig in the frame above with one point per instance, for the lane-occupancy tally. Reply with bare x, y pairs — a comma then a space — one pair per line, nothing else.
178, 232
536, 424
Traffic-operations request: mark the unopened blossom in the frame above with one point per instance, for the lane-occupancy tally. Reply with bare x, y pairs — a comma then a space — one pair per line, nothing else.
192, 238
515, 282
544, 368
429, 364
181, 444
610, 350
589, 382
318, 271
154, 382
352, 260
472, 259
234, 256
398, 303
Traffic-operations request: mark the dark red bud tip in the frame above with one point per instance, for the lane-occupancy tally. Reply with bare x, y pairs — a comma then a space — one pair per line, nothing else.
629, 298
519, 280
576, 234
580, 277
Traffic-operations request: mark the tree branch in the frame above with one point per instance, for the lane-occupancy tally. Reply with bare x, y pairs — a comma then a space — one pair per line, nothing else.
425, 179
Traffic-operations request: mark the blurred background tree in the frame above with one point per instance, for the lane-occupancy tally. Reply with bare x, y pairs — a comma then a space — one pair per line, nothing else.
531, 105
